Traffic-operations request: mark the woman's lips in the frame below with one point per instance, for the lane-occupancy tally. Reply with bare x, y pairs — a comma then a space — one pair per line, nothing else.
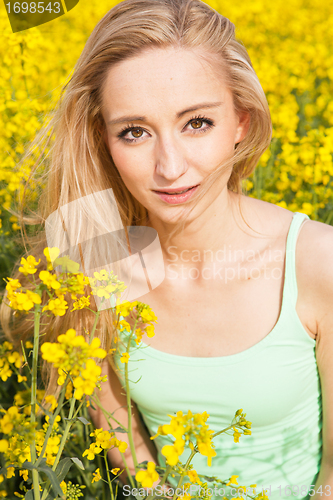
176, 198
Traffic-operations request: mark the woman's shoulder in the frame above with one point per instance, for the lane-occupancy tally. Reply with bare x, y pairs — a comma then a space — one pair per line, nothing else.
314, 255
314, 235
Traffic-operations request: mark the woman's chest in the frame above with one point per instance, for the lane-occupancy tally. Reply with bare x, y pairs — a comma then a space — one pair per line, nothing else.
228, 313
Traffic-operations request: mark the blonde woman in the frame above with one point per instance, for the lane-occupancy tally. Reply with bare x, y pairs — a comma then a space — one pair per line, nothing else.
165, 100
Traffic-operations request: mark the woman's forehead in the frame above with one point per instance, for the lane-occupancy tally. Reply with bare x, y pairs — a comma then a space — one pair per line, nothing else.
168, 77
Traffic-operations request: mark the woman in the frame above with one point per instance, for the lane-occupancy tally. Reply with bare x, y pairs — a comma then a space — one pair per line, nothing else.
164, 99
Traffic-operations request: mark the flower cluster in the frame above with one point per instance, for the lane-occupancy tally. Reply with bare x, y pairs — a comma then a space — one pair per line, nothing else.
184, 428
19, 433
71, 354
22, 301
104, 440
53, 441
138, 312
9, 361
72, 491
106, 283
241, 423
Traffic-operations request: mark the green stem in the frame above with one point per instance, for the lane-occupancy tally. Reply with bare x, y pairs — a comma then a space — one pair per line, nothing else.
65, 434
94, 326
224, 430
106, 414
51, 423
108, 474
165, 477
193, 452
128, 399
127, 470
99, 463
35, 476
63, 441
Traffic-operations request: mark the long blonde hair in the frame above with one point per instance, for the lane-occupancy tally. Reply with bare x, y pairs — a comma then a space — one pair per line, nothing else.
79, 162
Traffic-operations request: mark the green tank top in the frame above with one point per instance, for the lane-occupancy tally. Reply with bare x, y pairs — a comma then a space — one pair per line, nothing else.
275, 382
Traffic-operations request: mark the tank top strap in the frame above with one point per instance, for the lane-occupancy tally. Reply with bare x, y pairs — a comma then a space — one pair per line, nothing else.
290, 283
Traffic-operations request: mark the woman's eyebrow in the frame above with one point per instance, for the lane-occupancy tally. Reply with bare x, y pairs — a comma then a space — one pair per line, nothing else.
179, 114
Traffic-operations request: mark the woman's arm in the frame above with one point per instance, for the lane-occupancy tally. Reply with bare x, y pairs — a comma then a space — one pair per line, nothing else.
113, 399
318, 268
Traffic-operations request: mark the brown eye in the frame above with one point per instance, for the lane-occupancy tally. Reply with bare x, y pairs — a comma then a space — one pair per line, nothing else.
136, 131
196, 123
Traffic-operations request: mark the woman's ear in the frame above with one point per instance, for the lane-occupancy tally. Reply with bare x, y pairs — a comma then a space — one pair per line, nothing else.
243, 126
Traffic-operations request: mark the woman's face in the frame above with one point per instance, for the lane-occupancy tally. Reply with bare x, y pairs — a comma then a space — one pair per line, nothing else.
170, 121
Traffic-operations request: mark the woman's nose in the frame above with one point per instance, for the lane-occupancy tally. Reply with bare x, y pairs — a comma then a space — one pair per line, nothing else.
170, 159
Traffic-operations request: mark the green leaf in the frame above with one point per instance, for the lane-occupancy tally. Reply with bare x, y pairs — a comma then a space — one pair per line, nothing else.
67, 264
78, 462
29, 495
63, 467
117, 429
84, 420
141, 464
55, 483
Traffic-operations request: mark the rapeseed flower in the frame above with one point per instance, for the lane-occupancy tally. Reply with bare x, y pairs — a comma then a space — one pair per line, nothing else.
185, 428
96, 476
71, 354
28, 265
104, 440
57, 306
147, 477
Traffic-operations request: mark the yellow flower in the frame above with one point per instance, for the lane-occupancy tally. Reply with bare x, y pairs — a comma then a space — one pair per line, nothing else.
193, 475
122, 447
147, 477
172, 452
232, 480
51, 254
92, 451
12, 285
51, 399
102, 275
50, 280
81, 303
150, 330
10, 472
25, 474
96, 476
237, 435
56, 306
28, 265
125, 357
115, 471
63, 487
3, 445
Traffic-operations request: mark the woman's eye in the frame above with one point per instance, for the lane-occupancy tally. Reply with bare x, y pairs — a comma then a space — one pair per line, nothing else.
197, 123
135, 132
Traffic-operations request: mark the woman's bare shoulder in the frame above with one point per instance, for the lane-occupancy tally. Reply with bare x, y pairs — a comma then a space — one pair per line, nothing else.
266, 217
